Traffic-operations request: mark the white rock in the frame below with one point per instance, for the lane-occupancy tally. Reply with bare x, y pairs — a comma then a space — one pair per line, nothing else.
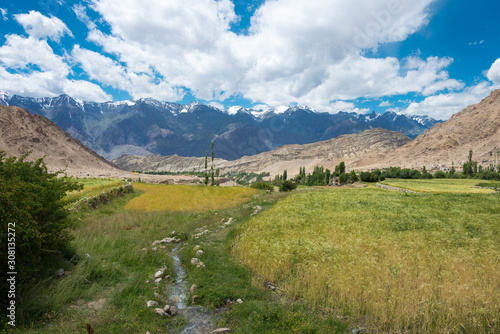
159, 273
60, 272
200, 265
172, 310
221, 330
167, 308
199, 252
158, 280
160, 312
193, 288
151, 303
239, 301
195, 261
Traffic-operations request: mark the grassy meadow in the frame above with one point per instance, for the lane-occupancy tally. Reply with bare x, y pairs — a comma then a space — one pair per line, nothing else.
178, 198
92, 187
420, 263
340, 259
441, 185
111, 259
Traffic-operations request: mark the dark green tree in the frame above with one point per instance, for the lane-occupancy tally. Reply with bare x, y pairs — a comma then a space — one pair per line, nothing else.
31, 203
206, 168
342, 178
353, 177
470, 167
341, 168
287, 185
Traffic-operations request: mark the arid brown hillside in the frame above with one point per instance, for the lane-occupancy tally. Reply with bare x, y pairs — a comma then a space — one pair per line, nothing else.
327, 153
475, 128
21, 132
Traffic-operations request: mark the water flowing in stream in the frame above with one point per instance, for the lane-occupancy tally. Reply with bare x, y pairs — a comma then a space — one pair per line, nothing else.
198, 320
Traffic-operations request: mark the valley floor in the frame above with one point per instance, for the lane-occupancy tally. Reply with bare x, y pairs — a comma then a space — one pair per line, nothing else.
316, 261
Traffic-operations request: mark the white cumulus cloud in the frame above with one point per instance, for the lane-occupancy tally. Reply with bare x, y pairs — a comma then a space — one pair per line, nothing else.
493, 73
40, 26
296, 51
443, 106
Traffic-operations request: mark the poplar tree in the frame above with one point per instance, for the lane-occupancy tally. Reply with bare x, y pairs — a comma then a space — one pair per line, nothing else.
206, 167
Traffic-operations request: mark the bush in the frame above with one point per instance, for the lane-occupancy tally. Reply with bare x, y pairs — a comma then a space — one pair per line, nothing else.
439, 174
31, 198
287, 186
488, 175
262, 186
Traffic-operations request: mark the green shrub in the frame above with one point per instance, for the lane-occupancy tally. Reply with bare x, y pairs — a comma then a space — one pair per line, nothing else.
287, 186
31, 203
440, 174
262, 186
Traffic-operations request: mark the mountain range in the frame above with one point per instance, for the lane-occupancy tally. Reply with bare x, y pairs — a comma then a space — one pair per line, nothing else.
348, 148
147, 126
475, 128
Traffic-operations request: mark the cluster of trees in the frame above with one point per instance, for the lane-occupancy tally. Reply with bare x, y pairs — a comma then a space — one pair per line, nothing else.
33, 216
471, 168
319, 177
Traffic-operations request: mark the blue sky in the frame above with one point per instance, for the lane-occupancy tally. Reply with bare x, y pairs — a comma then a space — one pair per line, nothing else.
430, 57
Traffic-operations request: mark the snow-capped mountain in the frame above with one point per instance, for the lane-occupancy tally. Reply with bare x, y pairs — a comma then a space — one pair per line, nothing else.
146, 126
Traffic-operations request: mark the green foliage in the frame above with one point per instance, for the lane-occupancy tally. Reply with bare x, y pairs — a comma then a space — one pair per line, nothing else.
262, 186
353, 177
287, 186
440, 174
342, 178
488, 175
470, 167
32, 199
341, 168
319, 177
373, 176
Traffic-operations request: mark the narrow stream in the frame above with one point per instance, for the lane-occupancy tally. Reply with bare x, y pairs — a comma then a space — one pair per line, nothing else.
198, 320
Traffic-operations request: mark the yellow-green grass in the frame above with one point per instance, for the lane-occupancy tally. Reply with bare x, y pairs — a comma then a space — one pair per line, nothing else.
415, 263
92, 186
188, 198
438, 185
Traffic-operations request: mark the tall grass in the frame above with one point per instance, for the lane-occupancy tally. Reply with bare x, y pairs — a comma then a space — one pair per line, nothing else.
439, 185
92, 186
407, 263
178, 198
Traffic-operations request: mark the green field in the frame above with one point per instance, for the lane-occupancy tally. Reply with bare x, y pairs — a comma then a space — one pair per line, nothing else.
440, 185
92, 187
339, 258
419, 263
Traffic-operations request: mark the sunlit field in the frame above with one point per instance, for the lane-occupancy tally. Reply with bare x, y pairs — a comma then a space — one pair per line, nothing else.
188, 198
93, 186
439, 185
419, 263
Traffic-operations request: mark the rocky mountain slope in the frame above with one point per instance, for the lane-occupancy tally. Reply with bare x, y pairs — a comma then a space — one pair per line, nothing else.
475, 128
147, 126
327, 153
22, 132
